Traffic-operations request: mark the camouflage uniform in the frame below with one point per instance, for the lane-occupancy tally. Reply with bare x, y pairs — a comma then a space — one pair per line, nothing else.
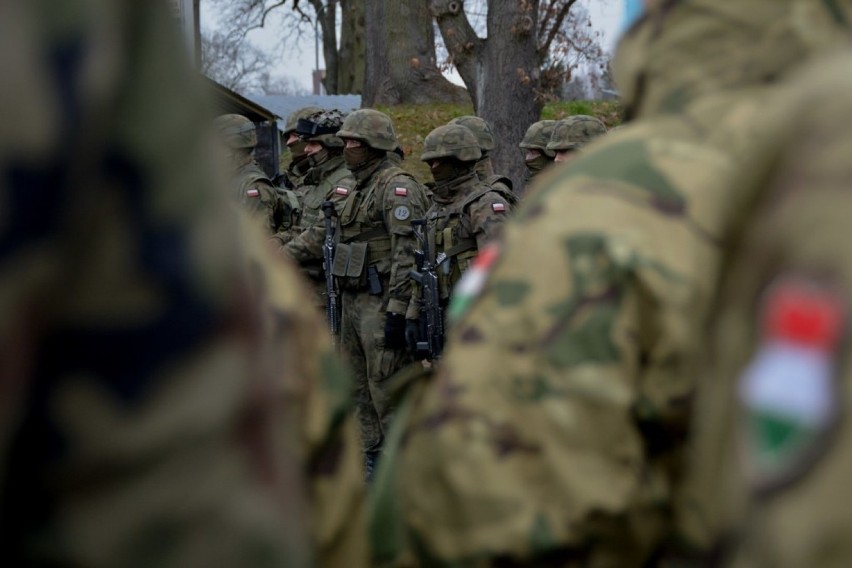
372, 262
250, 186
572, 133
167, 401
465, 212
554, 430
484, 168
327, 180
536, 138
293, 163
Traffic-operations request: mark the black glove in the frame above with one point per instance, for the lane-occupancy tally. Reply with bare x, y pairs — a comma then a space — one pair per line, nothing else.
394, 331
412, 334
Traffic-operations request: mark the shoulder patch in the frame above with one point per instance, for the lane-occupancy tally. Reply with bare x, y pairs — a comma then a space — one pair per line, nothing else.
471, 284
498, 207
402, 213
341, 191
253, 192
788, 392
401, 191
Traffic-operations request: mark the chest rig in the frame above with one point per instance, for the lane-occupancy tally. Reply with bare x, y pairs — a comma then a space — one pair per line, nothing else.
364, 242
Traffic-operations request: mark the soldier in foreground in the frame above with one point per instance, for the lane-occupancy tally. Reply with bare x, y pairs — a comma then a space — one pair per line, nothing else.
554, 431
465, 214
372, 264
571, 134
534, 147
249, 185
167, 398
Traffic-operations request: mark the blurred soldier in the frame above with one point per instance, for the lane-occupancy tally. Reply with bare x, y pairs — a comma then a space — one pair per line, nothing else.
554, 430
534, 146
250, 186
482, 131
327, 180
572, 133
167, 400
293, 163
466, 213
372, 264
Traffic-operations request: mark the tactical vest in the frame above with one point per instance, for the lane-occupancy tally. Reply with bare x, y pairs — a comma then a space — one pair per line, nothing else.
363, 238
313, 197
451, 236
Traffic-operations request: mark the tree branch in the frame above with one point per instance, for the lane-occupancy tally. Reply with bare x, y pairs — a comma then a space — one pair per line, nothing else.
544, 48
461, 40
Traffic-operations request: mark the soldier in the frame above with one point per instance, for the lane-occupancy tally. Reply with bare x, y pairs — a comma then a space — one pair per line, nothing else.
167, 399
372, 262
465, 213
294, 170
572, 133
328, 179
534, 146
250, 186
482, 131
554, 430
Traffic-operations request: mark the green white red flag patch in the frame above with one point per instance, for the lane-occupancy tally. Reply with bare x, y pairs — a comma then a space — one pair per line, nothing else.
473, 282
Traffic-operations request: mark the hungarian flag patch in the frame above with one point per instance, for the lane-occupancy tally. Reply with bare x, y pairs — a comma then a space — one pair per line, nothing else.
498, 207
472, 283
341, 191
788, 392
253, 193
401, 191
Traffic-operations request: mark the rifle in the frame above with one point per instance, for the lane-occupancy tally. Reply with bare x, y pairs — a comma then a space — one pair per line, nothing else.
431, 340
332, 309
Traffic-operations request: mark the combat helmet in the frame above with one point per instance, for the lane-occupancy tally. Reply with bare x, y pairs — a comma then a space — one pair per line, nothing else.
480, 129
236, 130
295, 116
538, 136
371, 127
322, 127
574, 132
451, 141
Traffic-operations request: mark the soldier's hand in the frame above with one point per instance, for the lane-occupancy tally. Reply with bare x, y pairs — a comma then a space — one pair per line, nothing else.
394, 331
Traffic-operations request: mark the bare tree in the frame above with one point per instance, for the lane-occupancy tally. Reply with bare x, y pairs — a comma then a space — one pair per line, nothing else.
531, 49
301, 19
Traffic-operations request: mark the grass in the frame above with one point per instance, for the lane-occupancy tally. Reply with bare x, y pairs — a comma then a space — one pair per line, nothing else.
414, 122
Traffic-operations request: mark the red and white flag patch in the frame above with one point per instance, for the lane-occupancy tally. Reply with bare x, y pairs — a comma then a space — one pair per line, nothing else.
253, 193
401, 191
341, 191
498, 207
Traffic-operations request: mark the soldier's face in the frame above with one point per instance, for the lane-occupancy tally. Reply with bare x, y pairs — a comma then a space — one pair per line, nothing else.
292, 139
563, 156
312, 148
350, 143
531, 154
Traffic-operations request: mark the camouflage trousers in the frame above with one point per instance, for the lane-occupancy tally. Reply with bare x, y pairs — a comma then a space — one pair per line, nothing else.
363, 342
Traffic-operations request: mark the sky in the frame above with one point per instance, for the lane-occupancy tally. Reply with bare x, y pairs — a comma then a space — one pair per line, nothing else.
299, 63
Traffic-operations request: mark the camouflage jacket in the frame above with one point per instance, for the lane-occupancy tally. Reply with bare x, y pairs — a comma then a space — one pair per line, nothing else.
460, 224
554, 429
256, 194
330, 181
379, 214
168, 398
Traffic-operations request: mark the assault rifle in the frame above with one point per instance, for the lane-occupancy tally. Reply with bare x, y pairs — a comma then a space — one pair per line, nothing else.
431, 340
332, 308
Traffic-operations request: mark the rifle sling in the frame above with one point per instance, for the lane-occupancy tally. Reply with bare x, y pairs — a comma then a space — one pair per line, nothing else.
460, 247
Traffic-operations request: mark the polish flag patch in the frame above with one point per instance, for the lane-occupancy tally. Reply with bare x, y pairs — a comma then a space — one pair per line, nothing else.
253, 193
498, 207
401, 191
341, 191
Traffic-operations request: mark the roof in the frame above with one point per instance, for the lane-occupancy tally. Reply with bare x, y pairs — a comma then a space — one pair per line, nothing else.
284, 105
229, 101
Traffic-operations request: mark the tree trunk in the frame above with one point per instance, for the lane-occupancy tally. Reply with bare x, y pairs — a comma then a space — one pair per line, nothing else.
502, 72
350, 58
401, 63
328, 24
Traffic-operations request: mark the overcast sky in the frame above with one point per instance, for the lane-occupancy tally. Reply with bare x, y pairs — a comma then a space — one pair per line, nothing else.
606, 17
